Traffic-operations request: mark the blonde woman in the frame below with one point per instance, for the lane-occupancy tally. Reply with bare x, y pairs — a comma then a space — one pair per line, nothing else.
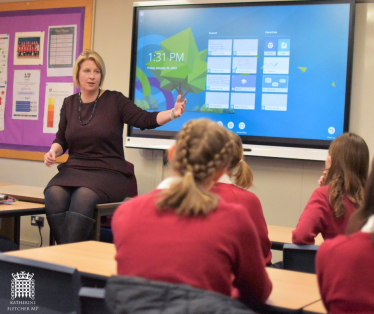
91, 128
183, 233
341, 191
240, 174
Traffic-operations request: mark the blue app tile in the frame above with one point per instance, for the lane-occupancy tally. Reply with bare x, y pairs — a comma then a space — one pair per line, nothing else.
284, 47
243, 83
275, 83
270, 48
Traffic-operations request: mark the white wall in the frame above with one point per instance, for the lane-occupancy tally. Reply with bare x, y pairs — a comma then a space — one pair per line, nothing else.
283, 186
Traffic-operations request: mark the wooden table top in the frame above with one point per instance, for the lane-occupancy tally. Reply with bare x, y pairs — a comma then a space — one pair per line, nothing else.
284, 234
89, 257
316, 307
24, 192
292, 290
19, 206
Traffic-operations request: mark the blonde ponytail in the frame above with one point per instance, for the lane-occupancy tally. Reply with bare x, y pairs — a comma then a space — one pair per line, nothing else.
244, 175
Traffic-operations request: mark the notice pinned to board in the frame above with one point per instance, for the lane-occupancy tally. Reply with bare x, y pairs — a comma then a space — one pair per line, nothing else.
26, 94
4, 51
62, 45
55, 93
28, 48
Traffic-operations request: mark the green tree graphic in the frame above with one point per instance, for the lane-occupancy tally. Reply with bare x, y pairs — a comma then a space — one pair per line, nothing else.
179, 65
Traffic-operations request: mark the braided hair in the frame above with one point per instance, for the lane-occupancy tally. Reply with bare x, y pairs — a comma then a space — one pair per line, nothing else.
202, 149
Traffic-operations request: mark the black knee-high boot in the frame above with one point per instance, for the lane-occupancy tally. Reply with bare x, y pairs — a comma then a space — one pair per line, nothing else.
57, 224
77, 227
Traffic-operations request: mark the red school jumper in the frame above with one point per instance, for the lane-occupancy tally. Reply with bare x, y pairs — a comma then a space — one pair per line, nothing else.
233, 194
344, 271
318, 217
201, 251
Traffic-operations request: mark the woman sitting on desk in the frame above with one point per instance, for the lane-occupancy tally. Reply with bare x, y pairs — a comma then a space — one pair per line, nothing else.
91, 128
182, 232
341, 192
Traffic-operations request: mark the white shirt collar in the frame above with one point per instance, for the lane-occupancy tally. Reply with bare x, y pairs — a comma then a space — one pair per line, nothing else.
369, 226
168, 182
225, 179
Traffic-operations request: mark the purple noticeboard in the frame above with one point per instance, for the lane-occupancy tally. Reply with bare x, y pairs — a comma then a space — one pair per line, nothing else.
28, 135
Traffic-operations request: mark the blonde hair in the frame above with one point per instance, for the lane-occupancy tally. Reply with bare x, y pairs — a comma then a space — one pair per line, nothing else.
202, 149
89, 55
348, 171
244, 175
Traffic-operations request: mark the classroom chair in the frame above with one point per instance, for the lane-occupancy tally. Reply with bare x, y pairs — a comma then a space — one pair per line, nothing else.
42, 287
7, 245
92, 301
104, 212
135, 295
300, 257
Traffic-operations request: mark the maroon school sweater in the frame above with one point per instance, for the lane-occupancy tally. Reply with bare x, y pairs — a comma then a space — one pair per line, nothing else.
201, 251
318, 217
345, 276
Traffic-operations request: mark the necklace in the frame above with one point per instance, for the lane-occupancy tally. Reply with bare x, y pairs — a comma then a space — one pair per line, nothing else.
93, 110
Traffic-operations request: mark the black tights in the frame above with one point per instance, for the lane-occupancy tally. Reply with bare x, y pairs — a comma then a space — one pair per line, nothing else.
59, 199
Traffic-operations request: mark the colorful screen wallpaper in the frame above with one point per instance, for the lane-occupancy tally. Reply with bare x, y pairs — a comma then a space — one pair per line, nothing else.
265, 71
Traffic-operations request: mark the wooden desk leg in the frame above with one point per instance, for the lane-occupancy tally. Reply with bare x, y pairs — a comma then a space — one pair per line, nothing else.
17, 229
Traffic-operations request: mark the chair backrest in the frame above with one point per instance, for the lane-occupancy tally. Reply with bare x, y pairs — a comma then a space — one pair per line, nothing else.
41, 287
300, 257
92, 301
135, 295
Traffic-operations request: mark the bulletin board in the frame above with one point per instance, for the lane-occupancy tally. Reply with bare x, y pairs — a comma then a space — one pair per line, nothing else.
24, 139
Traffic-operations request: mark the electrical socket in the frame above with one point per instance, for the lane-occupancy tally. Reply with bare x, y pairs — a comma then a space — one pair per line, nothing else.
37, 221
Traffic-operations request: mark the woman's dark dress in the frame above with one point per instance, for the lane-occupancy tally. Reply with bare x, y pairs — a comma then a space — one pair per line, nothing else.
96, 157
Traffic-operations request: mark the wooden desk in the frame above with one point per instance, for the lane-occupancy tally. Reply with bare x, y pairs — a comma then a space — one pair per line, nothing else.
18, 209
316, 307
292, 290
24, 192
90, 257
280, 235
36, 195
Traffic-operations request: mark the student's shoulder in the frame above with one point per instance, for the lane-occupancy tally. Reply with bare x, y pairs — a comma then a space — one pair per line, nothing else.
141, 198
233, 212
248, 198
341, 244
236, 190
321, 192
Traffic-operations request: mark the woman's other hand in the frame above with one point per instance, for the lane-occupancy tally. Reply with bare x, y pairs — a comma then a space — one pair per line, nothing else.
50, 158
